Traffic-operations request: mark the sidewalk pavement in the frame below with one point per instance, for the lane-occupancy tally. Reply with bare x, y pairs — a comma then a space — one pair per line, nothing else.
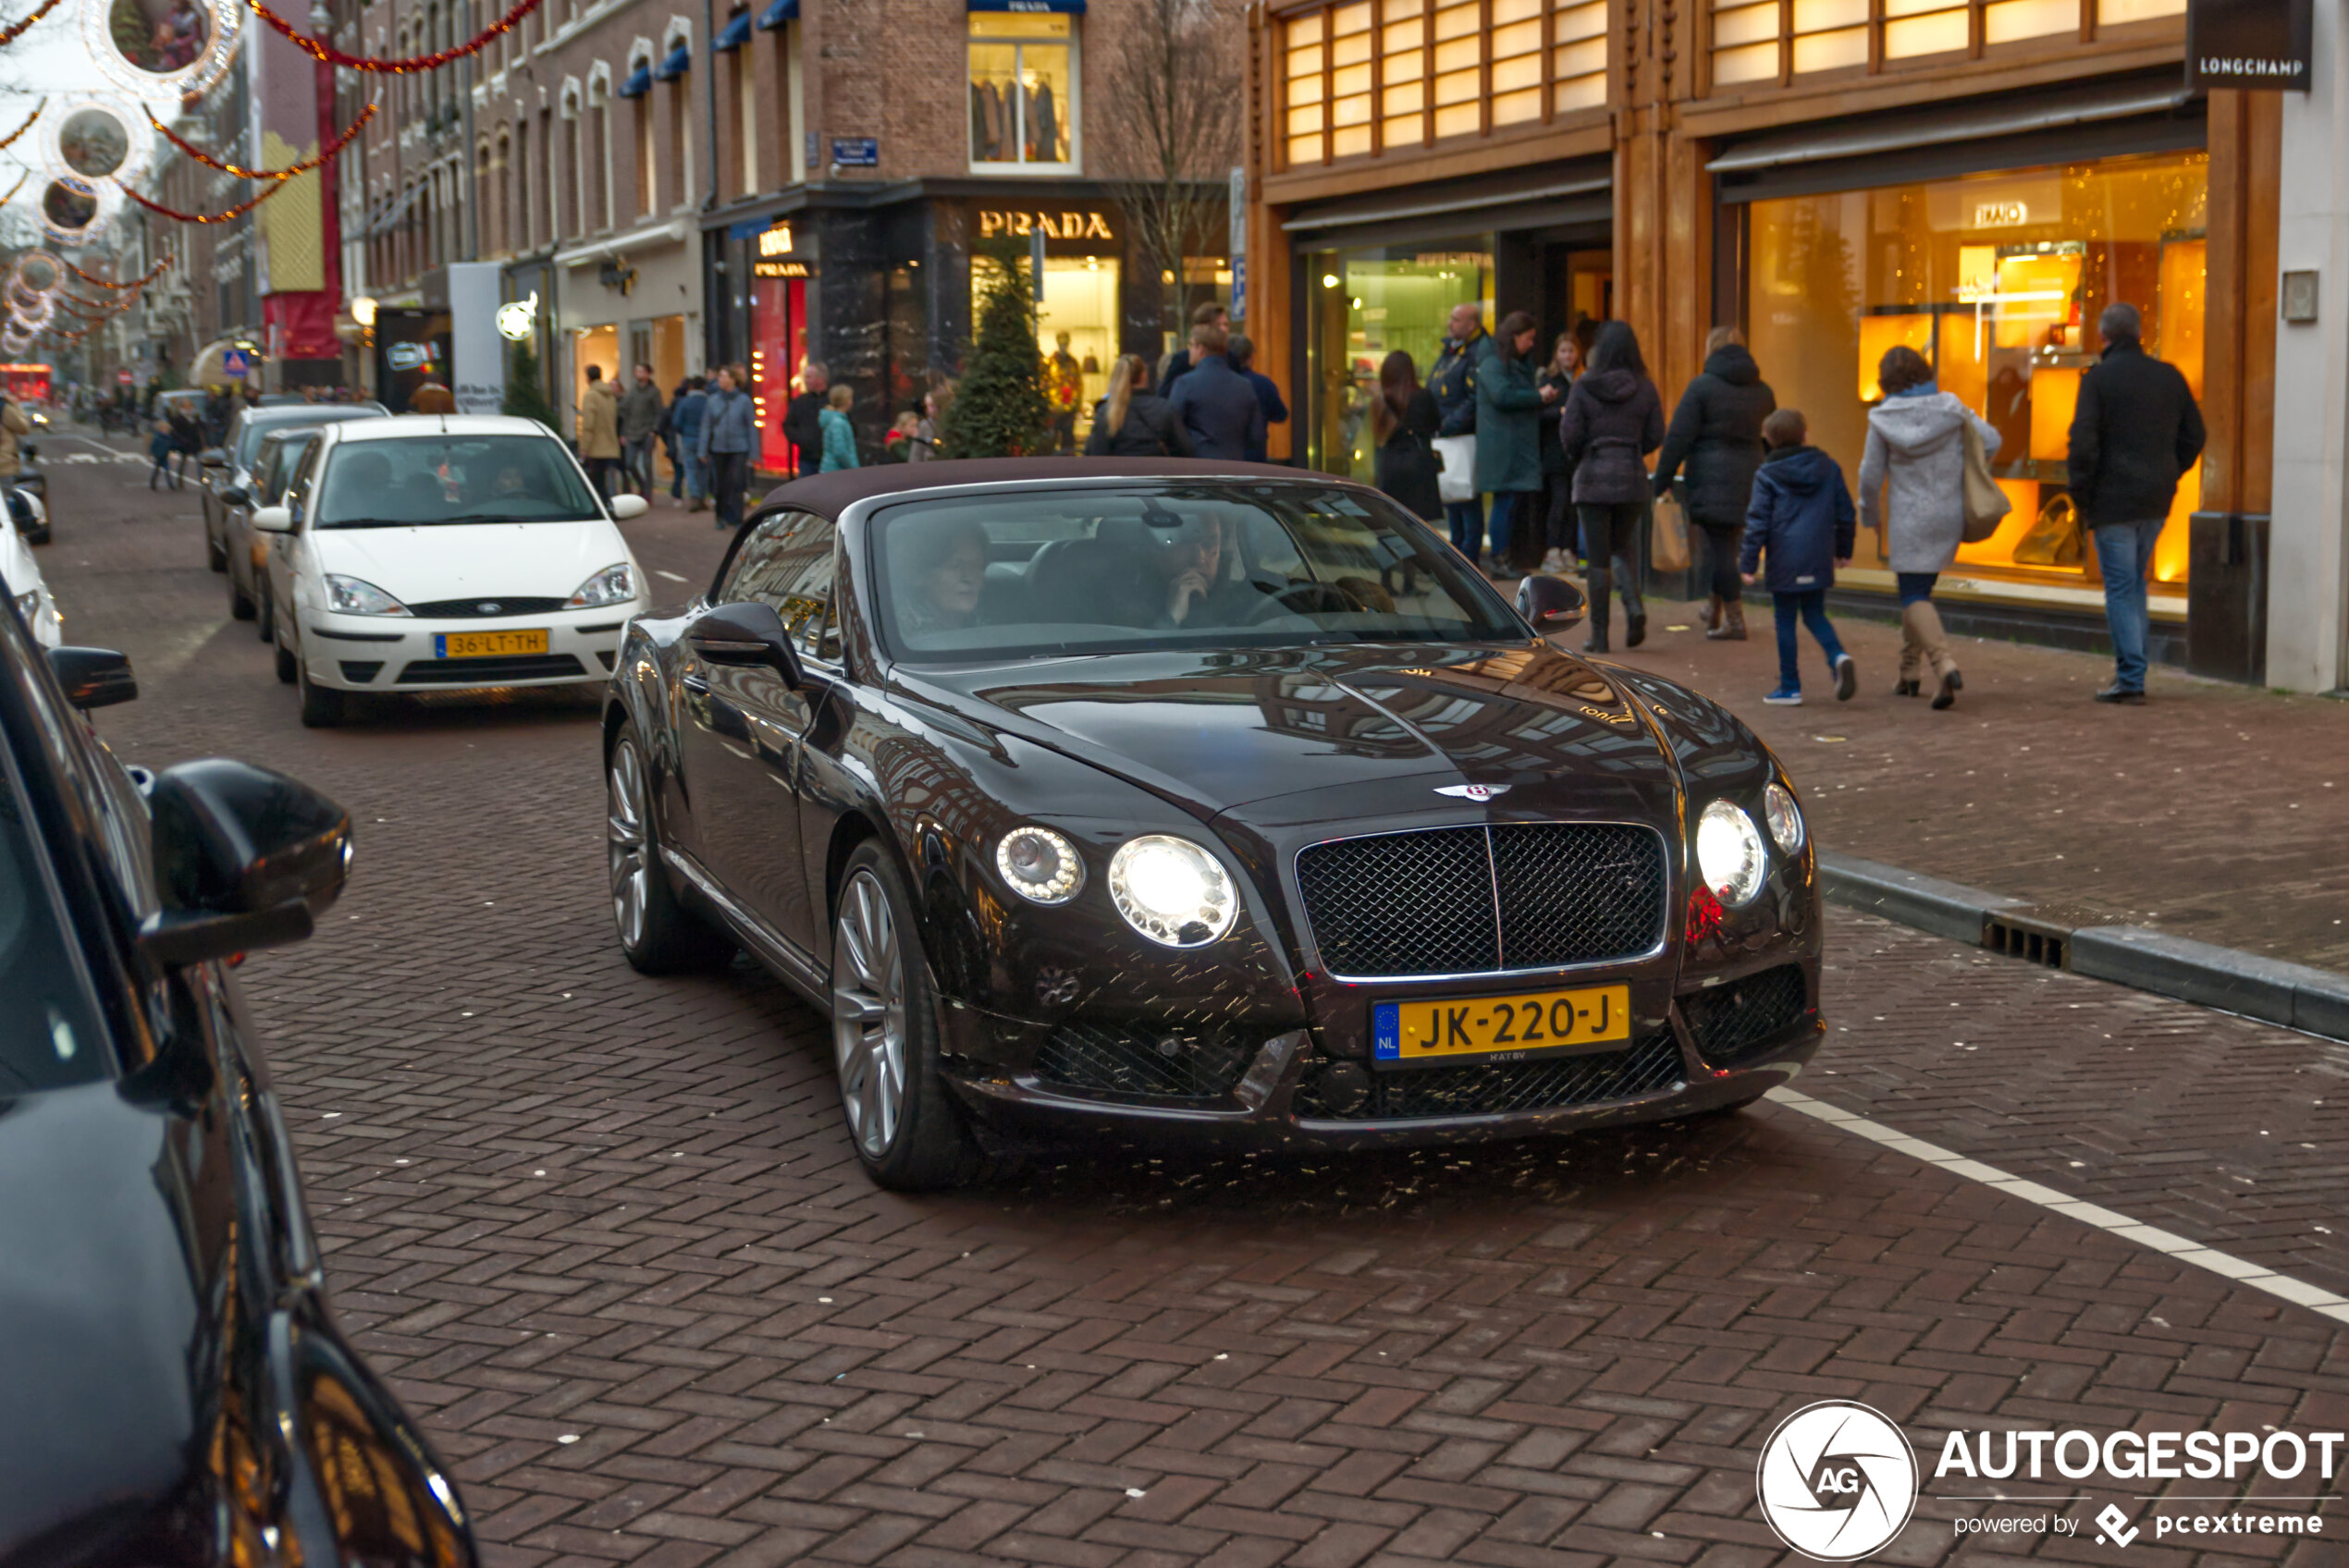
2215, 811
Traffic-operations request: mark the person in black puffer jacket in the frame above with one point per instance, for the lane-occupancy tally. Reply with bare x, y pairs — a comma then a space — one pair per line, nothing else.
1613, 418
1717, 431
1131, 421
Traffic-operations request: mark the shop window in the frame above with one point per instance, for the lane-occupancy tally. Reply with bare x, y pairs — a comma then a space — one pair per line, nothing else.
1023, 90
1365, 305
1912, 28
1077, 334
2009, 21
1997, 279
1830, 35
648, 169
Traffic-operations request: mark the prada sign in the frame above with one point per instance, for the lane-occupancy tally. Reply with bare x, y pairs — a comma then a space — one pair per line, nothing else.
774, 258
2258, 45
1066, 224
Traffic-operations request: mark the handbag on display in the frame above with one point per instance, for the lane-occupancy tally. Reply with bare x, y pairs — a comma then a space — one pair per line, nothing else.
1986, 505
1668, 544
1457, 480
2054, 539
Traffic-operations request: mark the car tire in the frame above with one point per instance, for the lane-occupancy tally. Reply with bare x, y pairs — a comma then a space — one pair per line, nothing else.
286, 670
240, 605
901, 1118
323, 707
216, 554
657, 934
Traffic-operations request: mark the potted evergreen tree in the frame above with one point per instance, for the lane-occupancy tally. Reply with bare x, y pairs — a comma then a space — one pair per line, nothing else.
525, 397
1000, 409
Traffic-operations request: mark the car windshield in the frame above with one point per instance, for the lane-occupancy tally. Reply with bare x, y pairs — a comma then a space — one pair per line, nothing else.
1117, 568
414, 480
255, 431
48, 1020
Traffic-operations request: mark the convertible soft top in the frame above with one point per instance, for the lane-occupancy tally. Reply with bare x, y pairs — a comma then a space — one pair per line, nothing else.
826, 494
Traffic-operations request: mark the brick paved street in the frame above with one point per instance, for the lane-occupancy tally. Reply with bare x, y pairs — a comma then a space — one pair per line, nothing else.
606, 1235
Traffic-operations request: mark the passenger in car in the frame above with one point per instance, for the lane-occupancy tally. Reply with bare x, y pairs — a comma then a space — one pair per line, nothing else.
1190, 584
945, 594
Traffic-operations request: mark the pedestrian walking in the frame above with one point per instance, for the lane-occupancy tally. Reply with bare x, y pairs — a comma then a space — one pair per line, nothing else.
930, 429
803, 418
1132, 422
1913, 493
1800, 525
1217, 404
1716, 434
1613, 418
840, 434
1452, 383
1242, 355
1508, 451
685, 417
729, 432
1557, 477
1404, 420
160, 447
600, 430
2135, 431
640, 413
1178, 364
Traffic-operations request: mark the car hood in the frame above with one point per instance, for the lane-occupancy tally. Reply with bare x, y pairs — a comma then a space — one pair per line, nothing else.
101, 1330
456, 560
1212, 731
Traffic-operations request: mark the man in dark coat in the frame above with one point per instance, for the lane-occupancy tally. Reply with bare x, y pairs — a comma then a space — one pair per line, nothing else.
1452, 384
1717, 431
1217, 404
1178, 364
2135, 432
804, 415
1242, 353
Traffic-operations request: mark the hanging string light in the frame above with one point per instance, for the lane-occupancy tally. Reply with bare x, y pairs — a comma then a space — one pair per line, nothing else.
14, 31
10, 139
239, 210
17, 186
152, 273
304, 166
328, 54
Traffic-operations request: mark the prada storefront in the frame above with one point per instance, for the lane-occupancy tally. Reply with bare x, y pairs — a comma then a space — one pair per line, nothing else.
881, 285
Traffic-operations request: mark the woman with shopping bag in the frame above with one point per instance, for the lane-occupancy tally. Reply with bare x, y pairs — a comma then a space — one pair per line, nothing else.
1613, 418
1717, 436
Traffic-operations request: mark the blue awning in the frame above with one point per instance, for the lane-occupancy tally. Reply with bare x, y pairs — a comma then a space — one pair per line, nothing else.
639, 82
734, 35
1066, 7
679, 61
777, 14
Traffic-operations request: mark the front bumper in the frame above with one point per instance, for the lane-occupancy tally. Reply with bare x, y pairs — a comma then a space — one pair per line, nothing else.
396, 654
1721, 1045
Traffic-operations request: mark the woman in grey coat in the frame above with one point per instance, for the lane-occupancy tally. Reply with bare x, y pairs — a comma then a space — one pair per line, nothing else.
1913, 493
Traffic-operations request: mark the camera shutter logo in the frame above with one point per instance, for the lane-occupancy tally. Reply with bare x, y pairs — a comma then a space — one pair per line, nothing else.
1837, 1480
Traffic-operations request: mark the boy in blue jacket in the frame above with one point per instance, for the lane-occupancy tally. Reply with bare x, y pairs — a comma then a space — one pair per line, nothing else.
1801, 517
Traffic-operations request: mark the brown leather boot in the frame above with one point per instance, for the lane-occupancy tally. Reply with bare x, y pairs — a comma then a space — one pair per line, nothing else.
1732, 627
1711, 615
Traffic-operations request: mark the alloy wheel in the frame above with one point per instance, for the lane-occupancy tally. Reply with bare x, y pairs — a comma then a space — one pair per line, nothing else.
868, 1014
628, 844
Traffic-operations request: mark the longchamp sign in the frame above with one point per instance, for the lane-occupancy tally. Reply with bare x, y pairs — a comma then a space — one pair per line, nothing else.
2254, 44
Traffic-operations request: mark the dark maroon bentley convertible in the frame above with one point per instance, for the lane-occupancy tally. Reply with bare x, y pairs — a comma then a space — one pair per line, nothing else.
1200, 800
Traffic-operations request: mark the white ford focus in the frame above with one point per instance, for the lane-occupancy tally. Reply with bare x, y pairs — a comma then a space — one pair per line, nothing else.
438, 553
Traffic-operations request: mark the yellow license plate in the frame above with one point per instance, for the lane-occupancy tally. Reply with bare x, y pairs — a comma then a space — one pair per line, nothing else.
488, 644
1502, 1028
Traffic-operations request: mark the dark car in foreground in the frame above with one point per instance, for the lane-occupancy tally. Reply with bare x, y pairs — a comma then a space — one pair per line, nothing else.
176, 1390
1198, 799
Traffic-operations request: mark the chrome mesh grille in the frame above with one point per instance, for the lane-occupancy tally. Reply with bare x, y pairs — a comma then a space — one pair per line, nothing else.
1491, 1088
1425, 903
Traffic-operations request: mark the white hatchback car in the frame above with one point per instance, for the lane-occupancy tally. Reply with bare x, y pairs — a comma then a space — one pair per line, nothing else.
426, 553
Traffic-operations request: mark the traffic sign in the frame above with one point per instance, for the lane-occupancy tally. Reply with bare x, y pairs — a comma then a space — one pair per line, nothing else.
236, 362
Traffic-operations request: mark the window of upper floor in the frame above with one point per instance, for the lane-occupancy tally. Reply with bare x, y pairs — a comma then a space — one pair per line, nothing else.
1023, 91
1379, 76
1783, 45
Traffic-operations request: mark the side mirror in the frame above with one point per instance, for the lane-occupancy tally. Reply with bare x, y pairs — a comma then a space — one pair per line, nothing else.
213, 457
93, 678
749, 634
28, 450
1552, 603
244, 858
626, 506
271, 519
236, 495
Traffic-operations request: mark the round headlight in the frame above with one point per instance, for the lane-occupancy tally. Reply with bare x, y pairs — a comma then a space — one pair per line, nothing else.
1172, 891
1041, 865
1730, 854
1785, 819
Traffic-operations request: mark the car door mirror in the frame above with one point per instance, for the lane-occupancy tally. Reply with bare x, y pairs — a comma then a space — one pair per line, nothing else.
244, 858
273, 520
624, 508
236, 495
28, 451
93, 678
748, 633
213, 457
1552, 603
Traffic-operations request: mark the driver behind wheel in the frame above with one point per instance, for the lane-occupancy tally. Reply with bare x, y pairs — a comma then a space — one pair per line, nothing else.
1186, 563
946, 590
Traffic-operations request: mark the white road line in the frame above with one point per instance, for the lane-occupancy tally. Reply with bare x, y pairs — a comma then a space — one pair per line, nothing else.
670, 575
2225, 1265
117, 453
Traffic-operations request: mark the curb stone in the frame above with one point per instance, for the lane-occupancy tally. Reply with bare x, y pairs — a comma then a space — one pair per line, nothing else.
2293, 994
